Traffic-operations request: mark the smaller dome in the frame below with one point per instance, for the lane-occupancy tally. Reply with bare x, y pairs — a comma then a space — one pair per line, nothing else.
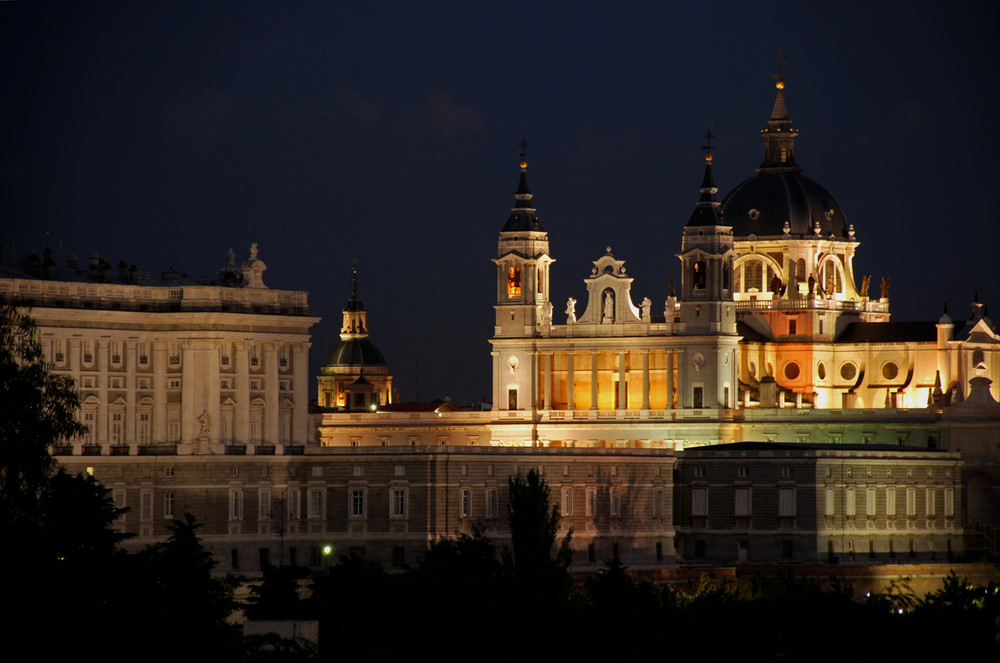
355, 352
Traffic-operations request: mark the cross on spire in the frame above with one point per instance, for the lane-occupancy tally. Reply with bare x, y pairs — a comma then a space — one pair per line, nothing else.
523, 145
779, 78
354, 271
708, 141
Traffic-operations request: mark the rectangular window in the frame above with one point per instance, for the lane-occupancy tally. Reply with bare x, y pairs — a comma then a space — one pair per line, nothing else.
698, 397
316, 503
591, 502
492, 503
398, 503
175, 354
742, 501
118, 495
143, 428
117, 424
850, 504
146, 505
871, 504
831, 502
657, 502
786, 502
616, 503
264, 504
890, 501
911, 501
168, 505
930, 497
236, 504
566, 508
294, 501
699, 501
358, 503
949, 501
465, 503
173, 431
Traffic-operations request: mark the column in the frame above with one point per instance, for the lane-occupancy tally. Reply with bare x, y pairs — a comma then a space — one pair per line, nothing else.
101, 361
570, 401
300, 393
242, 410
159, 433
131, 357
189, 416
548, 380
593, 379
670, 379
622, 383
270, 433
645, 379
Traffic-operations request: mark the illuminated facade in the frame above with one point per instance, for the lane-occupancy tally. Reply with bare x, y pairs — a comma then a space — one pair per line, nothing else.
195, 397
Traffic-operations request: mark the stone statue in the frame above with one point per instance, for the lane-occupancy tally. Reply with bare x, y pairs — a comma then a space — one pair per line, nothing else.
776, 284
570, 310
885, 287
646, 306
670, 285
206, 426
253, 251
865, 283
812, 285
829, 283
609, 308
547, 313
253, 270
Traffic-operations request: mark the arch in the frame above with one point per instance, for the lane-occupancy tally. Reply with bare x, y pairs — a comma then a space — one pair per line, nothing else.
831, 269
751, 281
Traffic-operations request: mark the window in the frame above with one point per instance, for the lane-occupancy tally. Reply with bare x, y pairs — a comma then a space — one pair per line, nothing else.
316, 503
792, 326
743, 472
174, 383
930, 497
358, 503
513, 281
175, 354
591, 502
512, 399
294, 500
143, 354
143, 428
786, 502
117, 422
264, 504
168, 505
397, 503
871, 504
699, 501
616, 503
566, 508
657, 502
465, 503
146, 505
236, 504
492, 503
118, 495
698, 397
254, 355
831, 502
742, 501
890, 501
949, 501
850, 505
699, 472
911, 501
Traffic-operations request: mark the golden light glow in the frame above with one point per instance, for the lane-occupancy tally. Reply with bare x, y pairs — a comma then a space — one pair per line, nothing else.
524, 164
780, 85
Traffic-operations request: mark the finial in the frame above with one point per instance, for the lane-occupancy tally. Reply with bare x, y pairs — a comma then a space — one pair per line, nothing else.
708, 145
523, 145
779, 78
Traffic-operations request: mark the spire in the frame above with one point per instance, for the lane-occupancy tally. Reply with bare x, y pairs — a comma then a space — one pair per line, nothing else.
355, 323
523, 216
779, 136
706, 213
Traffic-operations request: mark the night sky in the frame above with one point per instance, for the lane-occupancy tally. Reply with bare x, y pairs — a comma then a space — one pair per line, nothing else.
164, 133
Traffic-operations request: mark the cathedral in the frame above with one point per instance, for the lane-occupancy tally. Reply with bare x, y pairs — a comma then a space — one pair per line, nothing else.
769, 411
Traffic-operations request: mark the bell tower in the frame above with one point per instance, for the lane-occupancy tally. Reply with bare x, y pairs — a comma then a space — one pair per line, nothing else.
707, 309
523, 309
522, 267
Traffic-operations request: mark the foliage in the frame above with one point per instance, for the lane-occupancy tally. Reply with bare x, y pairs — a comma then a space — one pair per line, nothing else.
277, 596
37, 410
533, 528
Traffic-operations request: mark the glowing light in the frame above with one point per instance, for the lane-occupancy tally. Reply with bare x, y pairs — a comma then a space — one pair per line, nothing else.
780, 85
327, 550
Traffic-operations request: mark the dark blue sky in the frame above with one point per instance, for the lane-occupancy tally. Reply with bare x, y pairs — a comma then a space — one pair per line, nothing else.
164, 133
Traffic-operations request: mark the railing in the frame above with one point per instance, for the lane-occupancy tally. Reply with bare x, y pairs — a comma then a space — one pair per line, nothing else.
864, 306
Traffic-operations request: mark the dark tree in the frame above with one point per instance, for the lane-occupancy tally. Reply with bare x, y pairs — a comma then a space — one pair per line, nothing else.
533, 528
37, 410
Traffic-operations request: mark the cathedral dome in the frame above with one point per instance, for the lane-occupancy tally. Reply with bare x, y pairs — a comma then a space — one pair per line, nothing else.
763, 204
355, 353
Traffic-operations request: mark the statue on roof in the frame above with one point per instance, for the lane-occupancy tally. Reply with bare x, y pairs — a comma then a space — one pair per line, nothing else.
865, 284
570, 310
646, 305
885, 287
253, 270
609, 307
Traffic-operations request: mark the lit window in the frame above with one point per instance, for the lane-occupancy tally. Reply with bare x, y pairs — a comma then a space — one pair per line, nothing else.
514, 281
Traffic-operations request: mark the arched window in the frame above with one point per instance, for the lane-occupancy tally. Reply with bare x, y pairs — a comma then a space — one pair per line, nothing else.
698, 275
514, 281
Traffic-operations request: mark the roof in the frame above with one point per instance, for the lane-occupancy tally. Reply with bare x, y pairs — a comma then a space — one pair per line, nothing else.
763, 203
354, 352
522, 216
888, 332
